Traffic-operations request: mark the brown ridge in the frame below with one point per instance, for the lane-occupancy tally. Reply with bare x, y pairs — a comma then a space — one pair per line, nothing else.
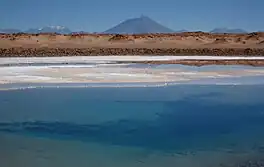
41, 52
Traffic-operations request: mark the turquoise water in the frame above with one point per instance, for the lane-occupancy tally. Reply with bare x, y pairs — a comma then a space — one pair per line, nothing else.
183, 125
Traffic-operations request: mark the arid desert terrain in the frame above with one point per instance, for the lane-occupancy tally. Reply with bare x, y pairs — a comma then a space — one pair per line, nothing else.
189, 43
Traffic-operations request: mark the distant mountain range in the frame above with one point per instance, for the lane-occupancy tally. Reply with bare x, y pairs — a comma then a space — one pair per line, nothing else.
50, 29
47, 29
138, 25
227, 30
9, 31
180, 31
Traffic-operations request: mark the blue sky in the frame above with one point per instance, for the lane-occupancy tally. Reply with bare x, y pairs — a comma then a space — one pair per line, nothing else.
99, 15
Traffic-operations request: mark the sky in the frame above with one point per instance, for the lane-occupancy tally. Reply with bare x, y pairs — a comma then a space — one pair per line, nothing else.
100, 15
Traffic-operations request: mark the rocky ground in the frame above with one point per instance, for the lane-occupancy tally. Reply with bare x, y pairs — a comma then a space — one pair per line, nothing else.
43, 52
192, 43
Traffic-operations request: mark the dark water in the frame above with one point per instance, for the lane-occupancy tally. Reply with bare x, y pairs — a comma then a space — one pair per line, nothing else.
194, 122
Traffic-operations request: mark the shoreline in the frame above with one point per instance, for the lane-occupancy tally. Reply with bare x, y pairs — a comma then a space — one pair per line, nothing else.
234, 81
198, 63
255, 61
100, 51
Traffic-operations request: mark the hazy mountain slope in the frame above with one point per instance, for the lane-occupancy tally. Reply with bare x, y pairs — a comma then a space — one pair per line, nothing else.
139, 25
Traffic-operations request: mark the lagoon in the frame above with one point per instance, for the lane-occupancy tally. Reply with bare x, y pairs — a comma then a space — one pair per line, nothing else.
177, 125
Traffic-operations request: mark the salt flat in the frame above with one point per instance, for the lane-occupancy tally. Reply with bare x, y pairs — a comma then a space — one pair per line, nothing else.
87, 59
104, 69
117, 73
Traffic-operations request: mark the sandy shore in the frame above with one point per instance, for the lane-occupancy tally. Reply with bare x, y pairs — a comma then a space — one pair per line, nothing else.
196, 43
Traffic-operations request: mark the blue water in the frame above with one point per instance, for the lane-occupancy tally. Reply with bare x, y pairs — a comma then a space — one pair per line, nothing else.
164, 119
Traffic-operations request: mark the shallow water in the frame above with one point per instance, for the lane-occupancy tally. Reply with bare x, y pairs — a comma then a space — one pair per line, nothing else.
182, 125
